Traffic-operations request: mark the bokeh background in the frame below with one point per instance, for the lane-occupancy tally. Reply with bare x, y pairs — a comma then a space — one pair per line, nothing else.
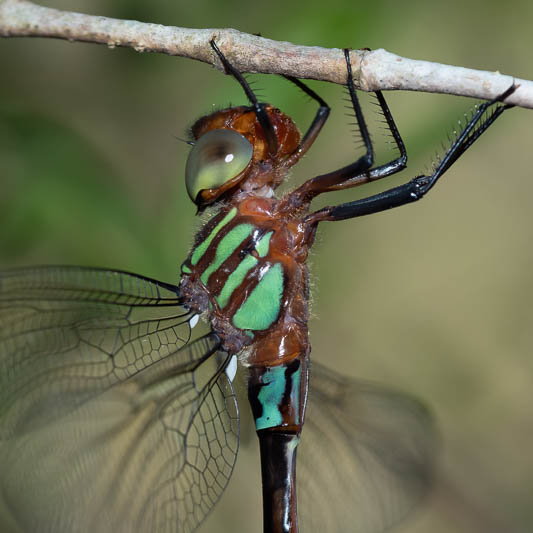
434, 298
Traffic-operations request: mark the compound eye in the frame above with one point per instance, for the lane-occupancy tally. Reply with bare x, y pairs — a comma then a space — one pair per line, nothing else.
217, 157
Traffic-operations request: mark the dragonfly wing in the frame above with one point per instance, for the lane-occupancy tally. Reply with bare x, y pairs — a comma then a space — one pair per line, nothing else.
365, 457
113, 416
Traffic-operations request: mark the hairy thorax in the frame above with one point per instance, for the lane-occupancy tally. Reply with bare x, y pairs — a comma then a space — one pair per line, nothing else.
248, 270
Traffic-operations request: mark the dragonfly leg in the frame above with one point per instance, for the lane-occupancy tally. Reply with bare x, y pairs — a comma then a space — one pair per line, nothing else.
316, 126
416, 188
259, 108
360, 171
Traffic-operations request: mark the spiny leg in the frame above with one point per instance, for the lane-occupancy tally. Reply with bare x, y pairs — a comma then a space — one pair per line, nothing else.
314, 129
360, 171
259, 108
387, 169
416, 188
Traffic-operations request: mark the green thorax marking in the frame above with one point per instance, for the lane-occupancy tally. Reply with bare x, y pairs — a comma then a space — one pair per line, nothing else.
261, 308
235, 279
226, 247
203, 246
238, 275
263, 244
270, 397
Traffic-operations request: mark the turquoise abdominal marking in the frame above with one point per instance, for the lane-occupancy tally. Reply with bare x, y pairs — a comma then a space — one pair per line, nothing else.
295, 392
235, 279
202, 247
261, 308
226, 247
270, 397
263, 244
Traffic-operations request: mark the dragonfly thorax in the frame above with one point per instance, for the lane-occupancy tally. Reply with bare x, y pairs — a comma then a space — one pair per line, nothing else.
247, 270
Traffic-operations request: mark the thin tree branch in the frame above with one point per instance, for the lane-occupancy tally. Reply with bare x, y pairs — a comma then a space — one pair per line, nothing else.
373, 70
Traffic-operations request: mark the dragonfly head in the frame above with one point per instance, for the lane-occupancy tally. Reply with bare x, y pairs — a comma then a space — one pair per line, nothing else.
232, 154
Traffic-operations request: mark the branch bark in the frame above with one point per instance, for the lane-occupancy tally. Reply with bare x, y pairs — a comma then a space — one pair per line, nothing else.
373, 70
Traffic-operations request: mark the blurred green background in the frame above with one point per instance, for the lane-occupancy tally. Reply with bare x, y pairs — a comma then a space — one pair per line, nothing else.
434, 298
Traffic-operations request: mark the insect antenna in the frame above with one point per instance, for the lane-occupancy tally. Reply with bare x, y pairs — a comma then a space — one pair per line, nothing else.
189, 142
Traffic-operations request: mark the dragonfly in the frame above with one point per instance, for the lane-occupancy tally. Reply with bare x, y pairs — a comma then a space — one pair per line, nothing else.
118, 411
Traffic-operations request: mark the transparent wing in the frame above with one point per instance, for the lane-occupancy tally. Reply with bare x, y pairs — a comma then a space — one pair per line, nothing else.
113, 418
365, 456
